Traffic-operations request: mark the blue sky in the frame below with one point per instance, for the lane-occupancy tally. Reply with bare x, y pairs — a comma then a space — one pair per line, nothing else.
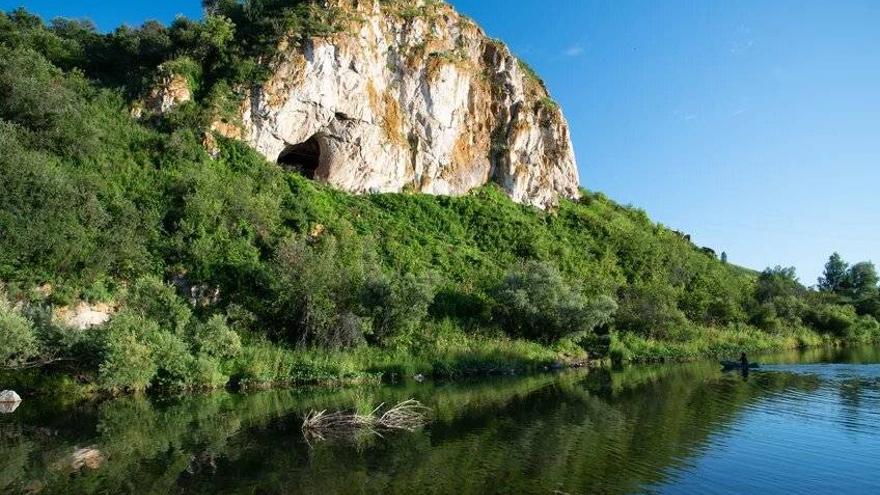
752, 125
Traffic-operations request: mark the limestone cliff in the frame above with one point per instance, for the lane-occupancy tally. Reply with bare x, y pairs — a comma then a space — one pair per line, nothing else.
411, 98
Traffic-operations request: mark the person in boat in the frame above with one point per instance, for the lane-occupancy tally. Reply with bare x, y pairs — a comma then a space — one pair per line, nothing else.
743, 360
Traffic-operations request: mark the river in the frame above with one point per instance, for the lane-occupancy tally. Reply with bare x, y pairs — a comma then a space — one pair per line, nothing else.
804, 423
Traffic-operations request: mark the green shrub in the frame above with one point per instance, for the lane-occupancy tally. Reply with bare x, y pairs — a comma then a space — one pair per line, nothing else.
159, 302
397, 305
319, 285
214, 338
127, 363
186, 67
535, 302
864, 329
205, 372
18, 341
829, 318
649, 309
173, 361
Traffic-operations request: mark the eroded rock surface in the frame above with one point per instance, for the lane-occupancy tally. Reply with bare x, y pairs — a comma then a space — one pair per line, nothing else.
421, 102
84, 315
172, 90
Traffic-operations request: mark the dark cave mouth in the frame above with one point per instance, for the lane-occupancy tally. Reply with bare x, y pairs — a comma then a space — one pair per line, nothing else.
304, 157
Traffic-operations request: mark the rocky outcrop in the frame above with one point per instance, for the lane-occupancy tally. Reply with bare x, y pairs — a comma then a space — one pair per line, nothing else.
198, 295
412, 97
9, 396
86, 458
9, 401
84, 315
171, 90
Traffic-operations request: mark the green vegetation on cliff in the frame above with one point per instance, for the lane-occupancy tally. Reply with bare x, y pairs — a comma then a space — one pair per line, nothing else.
230, 269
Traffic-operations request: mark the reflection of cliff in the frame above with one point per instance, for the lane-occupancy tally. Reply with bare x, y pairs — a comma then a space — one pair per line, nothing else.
576, 433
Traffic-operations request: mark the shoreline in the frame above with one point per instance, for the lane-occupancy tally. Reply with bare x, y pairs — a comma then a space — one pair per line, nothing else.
38, 383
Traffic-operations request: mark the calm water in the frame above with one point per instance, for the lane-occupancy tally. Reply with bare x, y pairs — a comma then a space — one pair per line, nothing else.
808, 423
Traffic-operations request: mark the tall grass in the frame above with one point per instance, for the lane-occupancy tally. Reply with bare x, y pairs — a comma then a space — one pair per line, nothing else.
699, 342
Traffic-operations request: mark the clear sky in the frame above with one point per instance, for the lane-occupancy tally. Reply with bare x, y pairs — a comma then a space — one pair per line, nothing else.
752, 125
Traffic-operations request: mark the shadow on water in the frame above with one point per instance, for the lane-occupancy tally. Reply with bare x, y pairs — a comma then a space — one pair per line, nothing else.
630, 430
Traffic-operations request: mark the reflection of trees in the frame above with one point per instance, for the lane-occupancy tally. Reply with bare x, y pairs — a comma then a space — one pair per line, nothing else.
601, 432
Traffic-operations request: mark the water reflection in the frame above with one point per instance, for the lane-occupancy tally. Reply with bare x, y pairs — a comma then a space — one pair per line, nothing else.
676, 429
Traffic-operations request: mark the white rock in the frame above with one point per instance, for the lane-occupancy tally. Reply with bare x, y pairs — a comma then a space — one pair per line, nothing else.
9, 397
426, 103
87, 457
84, 315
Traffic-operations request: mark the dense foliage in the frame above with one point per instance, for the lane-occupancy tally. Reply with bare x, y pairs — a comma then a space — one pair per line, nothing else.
228, 268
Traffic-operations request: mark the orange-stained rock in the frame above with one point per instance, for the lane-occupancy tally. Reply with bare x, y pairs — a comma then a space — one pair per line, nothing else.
421, 102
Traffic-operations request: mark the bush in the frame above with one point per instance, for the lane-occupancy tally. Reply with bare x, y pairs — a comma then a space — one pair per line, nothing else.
214, 338
205, 372
128, 363
159, 302
649, 309
319, 285
865, 329
830, 318
397, 305
18, 341
535, 302
173, 361
185, 67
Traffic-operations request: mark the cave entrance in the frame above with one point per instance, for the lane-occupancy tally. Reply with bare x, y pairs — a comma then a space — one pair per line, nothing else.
304, 158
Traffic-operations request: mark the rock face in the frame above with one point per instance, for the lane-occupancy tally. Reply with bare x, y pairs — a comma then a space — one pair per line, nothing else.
411, 98
172, 90
84, 315
86, 458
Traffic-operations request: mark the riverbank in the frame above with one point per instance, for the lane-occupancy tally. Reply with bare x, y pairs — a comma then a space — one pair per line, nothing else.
697, 343
449, 355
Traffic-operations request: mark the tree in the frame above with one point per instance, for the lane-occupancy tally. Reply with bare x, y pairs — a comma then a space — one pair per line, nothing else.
777, 282
397, 305
834, 279
318, 288
217, 31
535, 302
862, 281
18, 342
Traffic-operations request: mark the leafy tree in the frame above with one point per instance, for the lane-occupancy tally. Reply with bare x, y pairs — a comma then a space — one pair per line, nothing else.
777, 282
650, 309
862, 281
834, 278
18, 341
397, 305
535, 302
217, 32
215, 338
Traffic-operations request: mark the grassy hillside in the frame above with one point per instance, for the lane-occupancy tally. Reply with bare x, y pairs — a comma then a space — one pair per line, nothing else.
293, 281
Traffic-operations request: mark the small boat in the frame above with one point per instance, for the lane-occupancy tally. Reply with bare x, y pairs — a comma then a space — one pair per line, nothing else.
736, 365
